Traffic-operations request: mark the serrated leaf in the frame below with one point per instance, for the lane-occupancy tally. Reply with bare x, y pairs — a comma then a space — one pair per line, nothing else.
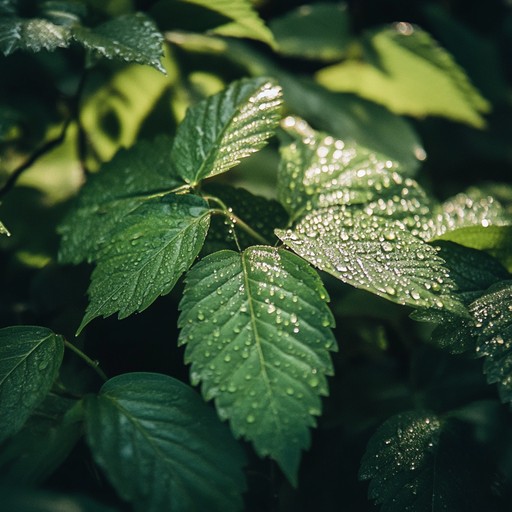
257, 331
43, 443
146, 254
130, 179
162, 447
472, 271
467, 210
318, 171
225, 128
418, 462
246, 21
130, 38
371, 253
30, 359
318, 31
262, 214
493, 332
31, 35
402, 68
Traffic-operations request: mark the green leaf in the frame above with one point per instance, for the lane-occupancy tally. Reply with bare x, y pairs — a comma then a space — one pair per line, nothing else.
130, 179
44, 442
468, 209
263, 215
318, 171
371, 253
417, 461
473, 271
318, 31
246, 21
30, 359
257, 330
31, 35
147, 253
130, 38
401, 69
162, 447
496, 240
225, 128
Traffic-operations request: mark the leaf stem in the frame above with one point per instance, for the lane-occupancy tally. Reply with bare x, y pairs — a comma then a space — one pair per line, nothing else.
93, 364
236, 220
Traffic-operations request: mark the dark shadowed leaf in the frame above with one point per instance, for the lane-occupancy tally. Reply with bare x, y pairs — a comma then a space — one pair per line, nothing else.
162, 447
30, 359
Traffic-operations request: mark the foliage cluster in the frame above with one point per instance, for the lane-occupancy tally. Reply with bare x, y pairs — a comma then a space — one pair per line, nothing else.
301, 211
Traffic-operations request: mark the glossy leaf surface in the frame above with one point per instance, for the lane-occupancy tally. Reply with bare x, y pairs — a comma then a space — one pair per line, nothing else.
225, 128
257, 330
162, 447
30, 359
146, 254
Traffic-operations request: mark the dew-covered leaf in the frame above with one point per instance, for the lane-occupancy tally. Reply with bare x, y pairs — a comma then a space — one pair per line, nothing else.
419, 462
246, 20
147, 252
493, 331
225, 128
30, 359
318, 171
473, 271
318, 31
257, 330
31, 35
162, 448
130, 38
263, 215
43, 443
467, 210
370, 253
130, 179
402, 67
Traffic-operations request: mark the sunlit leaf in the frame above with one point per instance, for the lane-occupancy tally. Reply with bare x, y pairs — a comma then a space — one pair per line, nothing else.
318, 31
130, 179
401, 69
418, 461
147, 252
374, 254
30, 359
257, 331
4, 230
246, 21
225, 128
162, 447
318, 171
130, 38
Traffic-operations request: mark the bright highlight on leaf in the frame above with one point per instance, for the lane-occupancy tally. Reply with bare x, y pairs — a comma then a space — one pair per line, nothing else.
257, 330
146, 254
4, 230
162, 447
225, 128
246, 21
408, 72
375, 255
30, 359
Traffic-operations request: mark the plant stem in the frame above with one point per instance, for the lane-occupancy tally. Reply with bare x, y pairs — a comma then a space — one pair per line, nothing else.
93, 364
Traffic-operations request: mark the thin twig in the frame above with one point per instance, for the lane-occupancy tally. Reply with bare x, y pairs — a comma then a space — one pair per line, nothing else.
93, 364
